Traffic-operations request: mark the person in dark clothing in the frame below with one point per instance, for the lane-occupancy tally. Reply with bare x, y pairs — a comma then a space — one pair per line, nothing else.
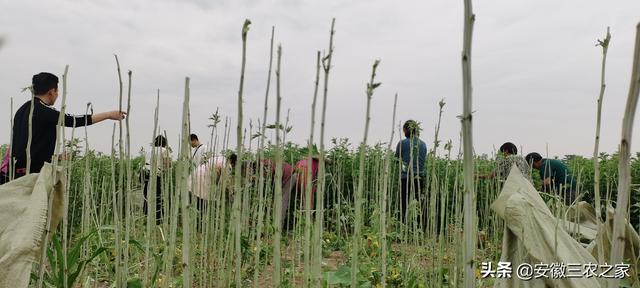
44, 120
555, 176
412, 153
158, 158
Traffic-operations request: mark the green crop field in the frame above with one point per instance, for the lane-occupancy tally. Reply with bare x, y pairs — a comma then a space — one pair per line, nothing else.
414, 256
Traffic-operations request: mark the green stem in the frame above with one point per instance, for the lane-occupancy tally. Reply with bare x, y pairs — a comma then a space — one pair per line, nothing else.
358, 197
238, 169
278, 184
467, 139
619, 238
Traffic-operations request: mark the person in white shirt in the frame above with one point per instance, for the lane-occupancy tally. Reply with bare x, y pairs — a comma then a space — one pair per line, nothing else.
199, 150
159, 158
200, 182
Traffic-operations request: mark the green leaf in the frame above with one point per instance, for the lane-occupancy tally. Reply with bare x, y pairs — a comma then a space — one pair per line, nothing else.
340, 276
177, 281
57, 246
74, 254
52, 261
137, 244
134, 283
72, 277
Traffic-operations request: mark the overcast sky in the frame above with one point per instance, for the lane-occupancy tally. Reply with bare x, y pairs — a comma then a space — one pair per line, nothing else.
536, 70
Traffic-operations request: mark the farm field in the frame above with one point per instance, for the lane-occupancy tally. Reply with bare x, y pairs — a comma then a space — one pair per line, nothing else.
415, 257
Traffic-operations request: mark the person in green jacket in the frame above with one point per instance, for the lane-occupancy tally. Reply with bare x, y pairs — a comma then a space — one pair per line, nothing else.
555, 176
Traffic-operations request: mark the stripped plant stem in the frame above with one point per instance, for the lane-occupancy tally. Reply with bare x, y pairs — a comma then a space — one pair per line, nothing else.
596, 162
59, 147
126, 164
30, 136
237, 179
308, 241
115, 212
46, 235
151, 186
183, 173
619, 238
326, 64
467, 138
121, 270
431, 176
11, 161
385, 193
277, 213
371, 86
261, 180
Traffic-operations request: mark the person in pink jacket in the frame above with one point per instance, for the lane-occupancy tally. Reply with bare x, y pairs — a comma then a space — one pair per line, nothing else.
301, 176
302, 171
288, 177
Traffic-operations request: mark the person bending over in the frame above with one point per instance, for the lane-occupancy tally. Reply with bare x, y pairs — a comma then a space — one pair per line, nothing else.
555, 176
508, 157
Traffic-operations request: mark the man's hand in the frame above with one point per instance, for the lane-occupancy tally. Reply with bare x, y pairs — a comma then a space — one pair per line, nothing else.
547, 181
111, 115
116, 115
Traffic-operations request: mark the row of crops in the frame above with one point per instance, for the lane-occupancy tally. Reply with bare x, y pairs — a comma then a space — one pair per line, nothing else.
416, 255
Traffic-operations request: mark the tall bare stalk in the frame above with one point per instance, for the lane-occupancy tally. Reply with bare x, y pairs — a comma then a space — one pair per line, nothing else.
87, 188
59, 145
278, 184
30, 135
237, 179
256, 259
385, 193
151, 188
116, 215
11, 163
183, 174
307, 197
121, 276
59, 148
372, 85
326, 65
169, 195
127, 189
624, 171
431, 178
596, 162
467, 137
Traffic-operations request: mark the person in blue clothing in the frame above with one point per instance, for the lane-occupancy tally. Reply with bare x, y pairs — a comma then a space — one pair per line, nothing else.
412, 153
555, 176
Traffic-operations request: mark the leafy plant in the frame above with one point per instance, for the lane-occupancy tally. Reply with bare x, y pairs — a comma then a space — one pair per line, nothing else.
57, 274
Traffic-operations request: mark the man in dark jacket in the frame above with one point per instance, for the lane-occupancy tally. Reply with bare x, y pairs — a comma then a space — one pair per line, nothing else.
44, 120
412, 153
